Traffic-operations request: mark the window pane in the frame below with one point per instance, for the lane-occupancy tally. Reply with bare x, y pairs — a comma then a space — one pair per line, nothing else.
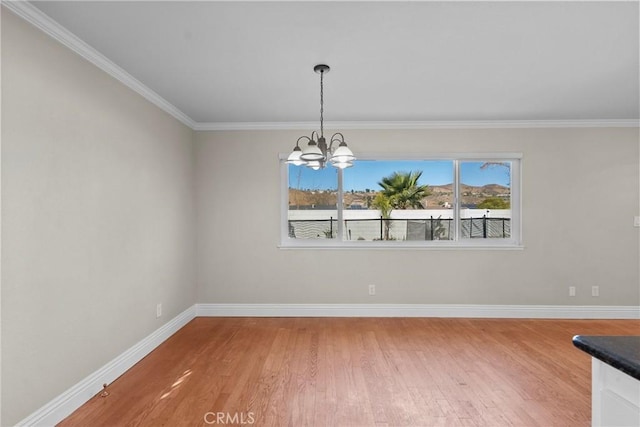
485, 199
313, 196
398, 200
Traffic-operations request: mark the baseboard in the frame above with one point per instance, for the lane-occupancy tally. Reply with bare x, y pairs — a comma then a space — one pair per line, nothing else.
419, 310
63, 405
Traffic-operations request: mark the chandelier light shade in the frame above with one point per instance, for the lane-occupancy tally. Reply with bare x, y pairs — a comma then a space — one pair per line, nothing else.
316, 154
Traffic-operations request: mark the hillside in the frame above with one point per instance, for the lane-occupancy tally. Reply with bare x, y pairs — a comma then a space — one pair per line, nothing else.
439, 197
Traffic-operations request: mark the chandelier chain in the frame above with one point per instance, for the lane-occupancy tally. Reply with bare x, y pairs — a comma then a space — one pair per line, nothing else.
321, 104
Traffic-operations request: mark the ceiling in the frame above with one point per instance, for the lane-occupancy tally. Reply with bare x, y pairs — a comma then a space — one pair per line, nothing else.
248, 62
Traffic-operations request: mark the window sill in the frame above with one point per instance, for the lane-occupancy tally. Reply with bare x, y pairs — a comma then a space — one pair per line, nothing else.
402, 245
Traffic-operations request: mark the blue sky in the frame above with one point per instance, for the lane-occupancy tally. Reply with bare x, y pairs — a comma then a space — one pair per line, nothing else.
366, 174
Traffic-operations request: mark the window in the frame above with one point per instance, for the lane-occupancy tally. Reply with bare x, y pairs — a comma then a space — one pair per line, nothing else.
444, 201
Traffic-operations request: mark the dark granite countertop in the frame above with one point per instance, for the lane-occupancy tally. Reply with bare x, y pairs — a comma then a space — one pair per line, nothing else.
621, 352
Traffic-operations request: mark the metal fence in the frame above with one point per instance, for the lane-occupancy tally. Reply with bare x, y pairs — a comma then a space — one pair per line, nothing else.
313, 228
401, 229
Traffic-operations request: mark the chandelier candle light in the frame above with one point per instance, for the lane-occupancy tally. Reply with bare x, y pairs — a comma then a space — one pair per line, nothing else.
316, 154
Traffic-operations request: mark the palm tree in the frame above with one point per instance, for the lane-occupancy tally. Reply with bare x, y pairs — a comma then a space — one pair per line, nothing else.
383, 203
403, 191
399, 191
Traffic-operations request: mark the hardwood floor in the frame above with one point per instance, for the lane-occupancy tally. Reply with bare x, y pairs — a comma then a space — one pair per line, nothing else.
359, 372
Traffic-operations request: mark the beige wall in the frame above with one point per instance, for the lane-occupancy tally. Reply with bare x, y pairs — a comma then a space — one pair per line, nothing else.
97, 217
566, 173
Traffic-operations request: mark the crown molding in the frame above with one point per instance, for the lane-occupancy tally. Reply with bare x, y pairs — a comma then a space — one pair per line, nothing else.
401, 125
34, 16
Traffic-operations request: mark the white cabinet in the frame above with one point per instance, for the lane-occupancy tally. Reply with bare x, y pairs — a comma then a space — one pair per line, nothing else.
615, 397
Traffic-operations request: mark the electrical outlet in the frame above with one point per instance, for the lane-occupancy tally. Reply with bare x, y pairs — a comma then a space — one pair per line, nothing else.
572, 291
636, 221
158, 310
372, 289
595, 291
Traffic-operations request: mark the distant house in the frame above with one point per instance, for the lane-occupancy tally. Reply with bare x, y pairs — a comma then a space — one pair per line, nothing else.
312, 207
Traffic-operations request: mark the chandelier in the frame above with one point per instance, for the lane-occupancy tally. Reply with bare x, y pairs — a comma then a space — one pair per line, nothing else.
317, 154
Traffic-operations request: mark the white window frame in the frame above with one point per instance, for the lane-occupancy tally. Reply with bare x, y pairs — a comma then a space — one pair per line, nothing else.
514, 242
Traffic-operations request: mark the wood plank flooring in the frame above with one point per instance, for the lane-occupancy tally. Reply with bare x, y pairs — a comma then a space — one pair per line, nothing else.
359, 372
